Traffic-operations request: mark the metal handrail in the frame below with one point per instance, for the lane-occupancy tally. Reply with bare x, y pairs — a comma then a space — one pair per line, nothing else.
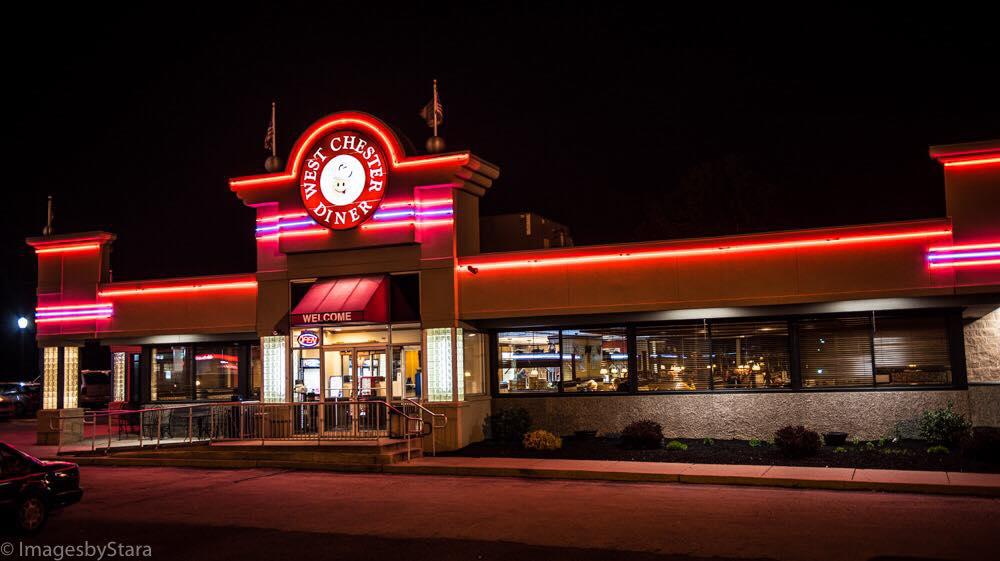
434, 415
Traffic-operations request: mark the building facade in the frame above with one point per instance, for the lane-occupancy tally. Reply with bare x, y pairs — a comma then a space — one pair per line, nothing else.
370, 284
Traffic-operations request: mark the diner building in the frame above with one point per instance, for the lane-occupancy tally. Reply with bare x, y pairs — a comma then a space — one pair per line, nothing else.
372, 284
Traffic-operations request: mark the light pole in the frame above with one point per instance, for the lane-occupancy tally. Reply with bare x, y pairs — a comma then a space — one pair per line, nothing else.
22, 326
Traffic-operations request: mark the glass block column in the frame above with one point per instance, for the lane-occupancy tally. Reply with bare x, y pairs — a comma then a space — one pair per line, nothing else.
118, 376
273, 357
50, 378
440, 377
71, 377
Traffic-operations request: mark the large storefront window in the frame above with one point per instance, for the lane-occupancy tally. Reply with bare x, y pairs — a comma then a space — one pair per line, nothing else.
172, 379
673, 357
594, 360
836, 352
851, 351
472, 356
216, 372
750, 354
529, 361
911, 351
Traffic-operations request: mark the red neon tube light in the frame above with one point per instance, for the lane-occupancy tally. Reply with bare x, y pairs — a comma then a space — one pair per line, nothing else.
714, 250
397, 160
73, 318
277, 217
399, 204
971, 162
68, 248
237, 285
400, 223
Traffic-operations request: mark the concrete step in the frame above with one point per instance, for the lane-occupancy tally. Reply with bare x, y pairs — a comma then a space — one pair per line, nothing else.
375, 453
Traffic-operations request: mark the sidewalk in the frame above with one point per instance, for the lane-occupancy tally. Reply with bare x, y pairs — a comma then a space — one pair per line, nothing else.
933, 482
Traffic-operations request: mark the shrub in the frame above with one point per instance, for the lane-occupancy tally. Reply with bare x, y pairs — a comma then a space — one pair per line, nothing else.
796, 442
983, 444
643, 434
676, 445
840, 450
708, 442
938, 449
541, 440
943, 426
508, 425
756, 443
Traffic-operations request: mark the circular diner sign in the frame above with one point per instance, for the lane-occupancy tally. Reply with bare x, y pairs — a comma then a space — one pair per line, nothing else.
343, 180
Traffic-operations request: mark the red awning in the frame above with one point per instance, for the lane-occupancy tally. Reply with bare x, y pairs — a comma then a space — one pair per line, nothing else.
344, 300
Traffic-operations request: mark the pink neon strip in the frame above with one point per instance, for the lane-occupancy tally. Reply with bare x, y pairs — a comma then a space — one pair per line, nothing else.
73, 318
70, 313
294, 234
964, 263
278, 217
74, 307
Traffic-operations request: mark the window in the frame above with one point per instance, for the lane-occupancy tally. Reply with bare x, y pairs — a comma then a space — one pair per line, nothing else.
750, 354
594, 360
439, 366
471, 368
912, 351
216, 372
529, 361
171, 375
836, 352
673, 357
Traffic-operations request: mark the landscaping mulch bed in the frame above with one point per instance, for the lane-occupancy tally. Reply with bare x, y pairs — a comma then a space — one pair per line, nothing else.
906, 454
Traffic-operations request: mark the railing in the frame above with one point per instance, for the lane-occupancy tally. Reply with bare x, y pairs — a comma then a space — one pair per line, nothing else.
241, 421
410, 404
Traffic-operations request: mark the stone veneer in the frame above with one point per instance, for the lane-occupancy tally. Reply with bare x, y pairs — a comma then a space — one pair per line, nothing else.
982, 348
865, 414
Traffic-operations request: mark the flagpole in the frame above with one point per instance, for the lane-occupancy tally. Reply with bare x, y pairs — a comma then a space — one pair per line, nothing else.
434, 108
274, 134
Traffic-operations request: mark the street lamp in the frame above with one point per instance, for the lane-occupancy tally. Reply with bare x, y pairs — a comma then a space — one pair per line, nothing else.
22, 322
22, 325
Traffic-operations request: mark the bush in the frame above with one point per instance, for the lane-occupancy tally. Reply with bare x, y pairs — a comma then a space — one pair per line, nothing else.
840, 450
541, 440
508, 425
756, 443
938, 449
676, 445
983, 444
943, 426
708, 442
643, 434
796, 442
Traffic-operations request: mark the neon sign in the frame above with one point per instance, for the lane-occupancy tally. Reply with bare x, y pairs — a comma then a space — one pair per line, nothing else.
343, 180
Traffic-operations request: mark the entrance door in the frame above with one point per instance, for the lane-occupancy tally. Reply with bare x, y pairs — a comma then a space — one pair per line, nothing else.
354, 381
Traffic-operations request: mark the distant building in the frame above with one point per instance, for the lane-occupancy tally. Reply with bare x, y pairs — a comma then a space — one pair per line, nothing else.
526, 230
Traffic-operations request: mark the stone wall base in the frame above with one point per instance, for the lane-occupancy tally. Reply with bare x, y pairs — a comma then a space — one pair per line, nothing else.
865, 414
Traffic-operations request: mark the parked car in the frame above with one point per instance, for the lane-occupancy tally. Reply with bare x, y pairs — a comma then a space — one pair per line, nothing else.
31, 488
95, 388
24, 397
6, 407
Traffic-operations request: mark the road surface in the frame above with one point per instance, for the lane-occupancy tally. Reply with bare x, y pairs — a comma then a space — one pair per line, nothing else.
276, 514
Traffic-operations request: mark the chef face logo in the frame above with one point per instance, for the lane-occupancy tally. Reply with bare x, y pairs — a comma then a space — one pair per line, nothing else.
343, 180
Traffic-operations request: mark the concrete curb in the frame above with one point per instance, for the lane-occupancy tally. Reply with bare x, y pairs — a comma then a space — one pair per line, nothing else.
416, 468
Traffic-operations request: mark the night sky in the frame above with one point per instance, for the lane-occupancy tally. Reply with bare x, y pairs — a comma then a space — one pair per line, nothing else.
623, 125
